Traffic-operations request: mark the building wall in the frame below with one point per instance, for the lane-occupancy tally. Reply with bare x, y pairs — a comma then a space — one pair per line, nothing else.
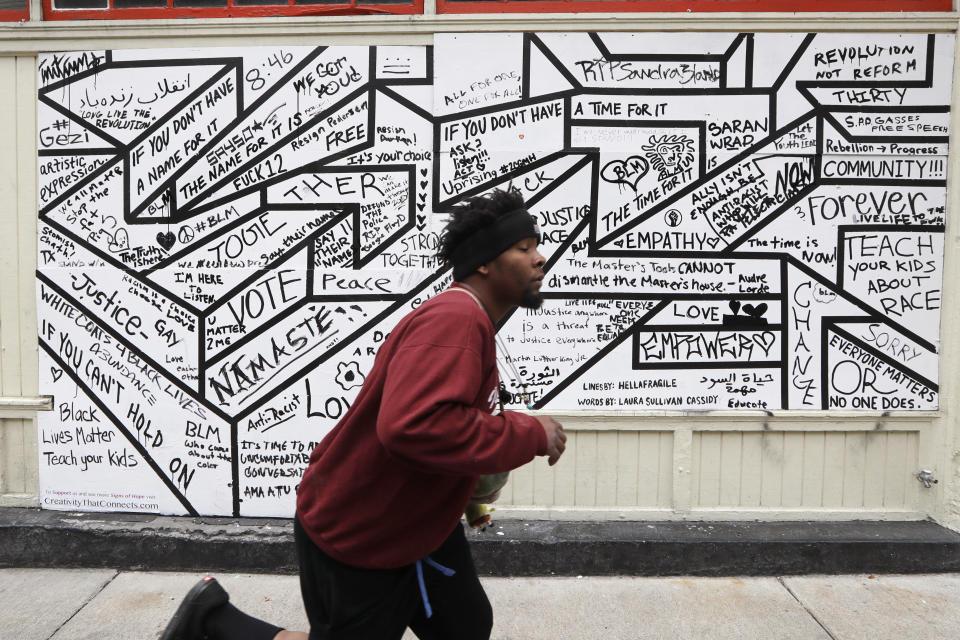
18, 317
737, 465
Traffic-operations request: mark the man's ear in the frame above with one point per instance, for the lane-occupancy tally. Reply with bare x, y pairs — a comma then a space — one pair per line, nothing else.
483, 270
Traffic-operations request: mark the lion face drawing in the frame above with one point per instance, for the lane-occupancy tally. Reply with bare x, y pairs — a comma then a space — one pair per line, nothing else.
669, 154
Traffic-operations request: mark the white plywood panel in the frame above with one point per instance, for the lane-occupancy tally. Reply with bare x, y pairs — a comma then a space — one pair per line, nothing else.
791, 493
30, 456
805, 470
564, 473
834, 449
520, 486
630, 470
544, 487
731, 445
913, 464
18, 330
607, 468
13, 474
10, 280
585, 493
854, 460
751, 472
695, 471
897, 471
665, 481
789, 472
875, 470
772, 465
902, 489
684, 464
26, 125
654, 462
649, 464
4, 463
707, 474
813, 461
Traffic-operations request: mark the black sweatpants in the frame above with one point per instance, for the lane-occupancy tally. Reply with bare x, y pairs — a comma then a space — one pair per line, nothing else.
345, 602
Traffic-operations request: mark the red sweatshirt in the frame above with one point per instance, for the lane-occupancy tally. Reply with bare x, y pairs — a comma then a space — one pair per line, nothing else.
390, 481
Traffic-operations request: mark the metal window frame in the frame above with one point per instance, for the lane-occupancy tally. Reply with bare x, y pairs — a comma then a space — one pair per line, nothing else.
687, 6
290, 8
16, 15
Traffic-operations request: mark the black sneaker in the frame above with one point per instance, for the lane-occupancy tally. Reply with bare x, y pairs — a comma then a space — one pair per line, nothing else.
187, 622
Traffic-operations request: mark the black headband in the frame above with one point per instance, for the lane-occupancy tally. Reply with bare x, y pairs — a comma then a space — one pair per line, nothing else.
485, 244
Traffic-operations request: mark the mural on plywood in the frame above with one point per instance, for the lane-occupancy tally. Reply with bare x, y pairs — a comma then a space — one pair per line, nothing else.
731, 221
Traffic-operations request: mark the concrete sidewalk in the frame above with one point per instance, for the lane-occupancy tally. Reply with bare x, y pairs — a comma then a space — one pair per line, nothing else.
102, 604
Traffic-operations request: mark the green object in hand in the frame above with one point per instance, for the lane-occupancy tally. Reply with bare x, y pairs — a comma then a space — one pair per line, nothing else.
490, 484
478, 513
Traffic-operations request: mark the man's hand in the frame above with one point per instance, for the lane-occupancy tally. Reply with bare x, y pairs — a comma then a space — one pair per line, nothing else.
556, 438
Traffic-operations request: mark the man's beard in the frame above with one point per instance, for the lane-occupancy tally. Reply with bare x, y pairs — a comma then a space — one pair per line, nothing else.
531, 299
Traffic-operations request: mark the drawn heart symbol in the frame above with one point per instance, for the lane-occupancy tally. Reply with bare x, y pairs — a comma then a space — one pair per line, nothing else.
755, 311
166, 240
421, 207
423, 197
764, 341
628, 172
421, 221
120, 241
618, 243
423, 172
56, 373
423, 184
713, 242
735, 306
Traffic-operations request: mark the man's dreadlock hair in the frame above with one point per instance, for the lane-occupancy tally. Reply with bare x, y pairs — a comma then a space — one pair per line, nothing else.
473, 214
